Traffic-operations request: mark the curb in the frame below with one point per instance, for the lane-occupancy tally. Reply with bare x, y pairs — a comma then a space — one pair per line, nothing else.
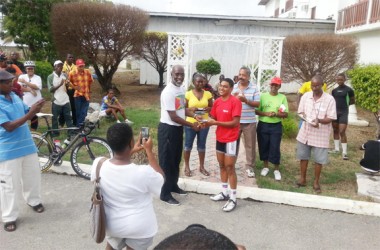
268, 195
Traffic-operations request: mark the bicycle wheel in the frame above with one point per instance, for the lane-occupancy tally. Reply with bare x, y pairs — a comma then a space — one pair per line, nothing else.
44, 149
84, 154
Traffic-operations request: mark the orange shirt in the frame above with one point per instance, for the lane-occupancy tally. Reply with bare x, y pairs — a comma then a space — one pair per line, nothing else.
83, 80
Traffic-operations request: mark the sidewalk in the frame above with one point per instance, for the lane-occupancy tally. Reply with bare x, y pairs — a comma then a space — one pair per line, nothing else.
247, 187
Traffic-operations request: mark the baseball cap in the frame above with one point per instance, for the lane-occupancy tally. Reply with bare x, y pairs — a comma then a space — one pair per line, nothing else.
58, 62
276, 80
79, 62
4, 75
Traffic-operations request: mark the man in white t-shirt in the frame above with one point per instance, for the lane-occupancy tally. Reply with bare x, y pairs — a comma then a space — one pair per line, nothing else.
170, 133
127, 190
57, 82
31, 85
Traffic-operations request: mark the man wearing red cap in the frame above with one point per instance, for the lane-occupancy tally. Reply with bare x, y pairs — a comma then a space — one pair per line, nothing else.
81, 79
273, 108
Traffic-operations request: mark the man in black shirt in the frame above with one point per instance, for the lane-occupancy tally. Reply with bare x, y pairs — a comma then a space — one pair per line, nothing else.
344, 96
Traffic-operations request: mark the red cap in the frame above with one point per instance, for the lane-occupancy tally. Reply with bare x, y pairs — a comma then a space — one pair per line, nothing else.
79, 62
276, 80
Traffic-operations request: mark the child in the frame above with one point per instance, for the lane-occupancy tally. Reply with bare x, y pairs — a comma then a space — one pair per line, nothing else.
110, 105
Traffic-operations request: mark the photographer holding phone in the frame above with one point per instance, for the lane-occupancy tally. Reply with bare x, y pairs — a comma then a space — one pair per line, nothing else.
170, 133
200, 102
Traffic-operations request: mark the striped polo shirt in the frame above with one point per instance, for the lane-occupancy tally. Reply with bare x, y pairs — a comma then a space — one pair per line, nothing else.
252, 93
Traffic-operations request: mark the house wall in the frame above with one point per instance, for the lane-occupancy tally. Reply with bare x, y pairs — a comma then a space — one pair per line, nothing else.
230, 55
369, 46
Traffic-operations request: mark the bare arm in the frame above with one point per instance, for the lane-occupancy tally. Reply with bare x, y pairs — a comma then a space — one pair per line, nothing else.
12, 125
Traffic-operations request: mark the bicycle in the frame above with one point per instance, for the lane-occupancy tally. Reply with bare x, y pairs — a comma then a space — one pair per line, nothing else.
83, 151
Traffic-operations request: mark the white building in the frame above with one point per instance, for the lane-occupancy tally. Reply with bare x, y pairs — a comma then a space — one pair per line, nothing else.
361, 18
309, 9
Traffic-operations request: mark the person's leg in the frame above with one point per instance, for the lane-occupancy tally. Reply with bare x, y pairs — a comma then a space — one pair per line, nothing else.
122, 113
223, 172
335, 126
70, 93
31, 180
321, 158
176, 147
275, 148
10, 174
78, 108
249, 132
303, 154
66, 110
114, 113
164, 160
317, 174
201, 146
343, 139
57, 112
189, 140
263, 139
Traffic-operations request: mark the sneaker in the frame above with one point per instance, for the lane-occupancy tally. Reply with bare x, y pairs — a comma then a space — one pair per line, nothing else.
264, 172
277, 175
172, 202
345, 157
118, 121
334, 151
128, 121
229, 206
180, 192
219, 197
250, 173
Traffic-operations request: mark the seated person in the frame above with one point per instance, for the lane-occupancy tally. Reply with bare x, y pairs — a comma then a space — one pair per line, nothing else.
111, 105
197, 236
371, 159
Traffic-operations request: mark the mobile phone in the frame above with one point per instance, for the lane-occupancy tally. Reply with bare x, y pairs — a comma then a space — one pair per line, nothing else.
144, 133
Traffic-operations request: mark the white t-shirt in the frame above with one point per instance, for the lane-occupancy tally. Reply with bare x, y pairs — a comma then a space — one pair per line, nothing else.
172, 99
127, 193
60, 95
29, 99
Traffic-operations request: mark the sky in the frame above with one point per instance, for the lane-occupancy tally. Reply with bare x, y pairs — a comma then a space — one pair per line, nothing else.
212, 7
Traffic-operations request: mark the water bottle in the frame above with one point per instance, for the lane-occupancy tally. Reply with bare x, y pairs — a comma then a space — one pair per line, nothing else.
57, 144
65, 143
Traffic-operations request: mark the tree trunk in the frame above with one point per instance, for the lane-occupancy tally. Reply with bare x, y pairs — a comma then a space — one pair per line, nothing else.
161, 83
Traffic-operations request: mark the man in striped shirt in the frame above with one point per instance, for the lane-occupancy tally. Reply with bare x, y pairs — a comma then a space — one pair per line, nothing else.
318, 110
248, 93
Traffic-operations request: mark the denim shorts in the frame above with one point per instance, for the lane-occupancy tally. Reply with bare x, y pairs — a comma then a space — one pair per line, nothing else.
201, 138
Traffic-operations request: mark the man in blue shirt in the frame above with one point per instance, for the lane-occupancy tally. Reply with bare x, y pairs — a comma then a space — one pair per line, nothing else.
18, 154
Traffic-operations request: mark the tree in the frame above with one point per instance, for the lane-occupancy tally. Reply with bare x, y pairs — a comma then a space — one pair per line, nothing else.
155, 52
208, 67
365, 80
27, 22
304, 55
104, 34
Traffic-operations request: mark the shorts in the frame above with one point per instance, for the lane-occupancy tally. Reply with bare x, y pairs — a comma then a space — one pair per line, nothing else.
228, 148
304, 153
120, 243
342, 117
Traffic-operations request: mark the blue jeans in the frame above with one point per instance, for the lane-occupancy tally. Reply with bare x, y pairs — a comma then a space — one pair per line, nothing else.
201, 138
81, 106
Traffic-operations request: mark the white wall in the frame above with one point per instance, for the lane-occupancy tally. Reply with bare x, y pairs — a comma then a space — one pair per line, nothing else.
231, 56
369, 46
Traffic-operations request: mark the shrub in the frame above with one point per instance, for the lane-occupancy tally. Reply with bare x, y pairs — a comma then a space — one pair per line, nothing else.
365, 80
43, 69
208, 67
304, 55
290, 126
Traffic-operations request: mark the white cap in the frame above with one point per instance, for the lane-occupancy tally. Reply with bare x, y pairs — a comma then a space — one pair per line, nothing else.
58, 62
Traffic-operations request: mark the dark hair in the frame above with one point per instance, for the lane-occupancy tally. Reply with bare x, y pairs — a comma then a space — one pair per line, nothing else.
11, 70
110, 89
196, 236
119, 137
230, 82
196, 75
342, 74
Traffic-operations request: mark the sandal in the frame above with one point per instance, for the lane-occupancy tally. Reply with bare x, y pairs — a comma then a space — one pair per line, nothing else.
10, 226
298, 185
38, 208
317, 190
188, 173
204, 172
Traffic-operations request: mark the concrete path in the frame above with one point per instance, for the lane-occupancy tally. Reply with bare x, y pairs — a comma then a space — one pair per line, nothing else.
257, 225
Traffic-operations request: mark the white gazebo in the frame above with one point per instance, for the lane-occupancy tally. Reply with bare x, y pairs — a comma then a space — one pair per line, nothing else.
261, 54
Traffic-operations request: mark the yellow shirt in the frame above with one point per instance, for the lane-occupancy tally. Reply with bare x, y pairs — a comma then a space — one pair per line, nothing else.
67, 68
306, 87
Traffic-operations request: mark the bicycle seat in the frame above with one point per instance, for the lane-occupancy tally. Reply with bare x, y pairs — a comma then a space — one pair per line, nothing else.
43, 115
